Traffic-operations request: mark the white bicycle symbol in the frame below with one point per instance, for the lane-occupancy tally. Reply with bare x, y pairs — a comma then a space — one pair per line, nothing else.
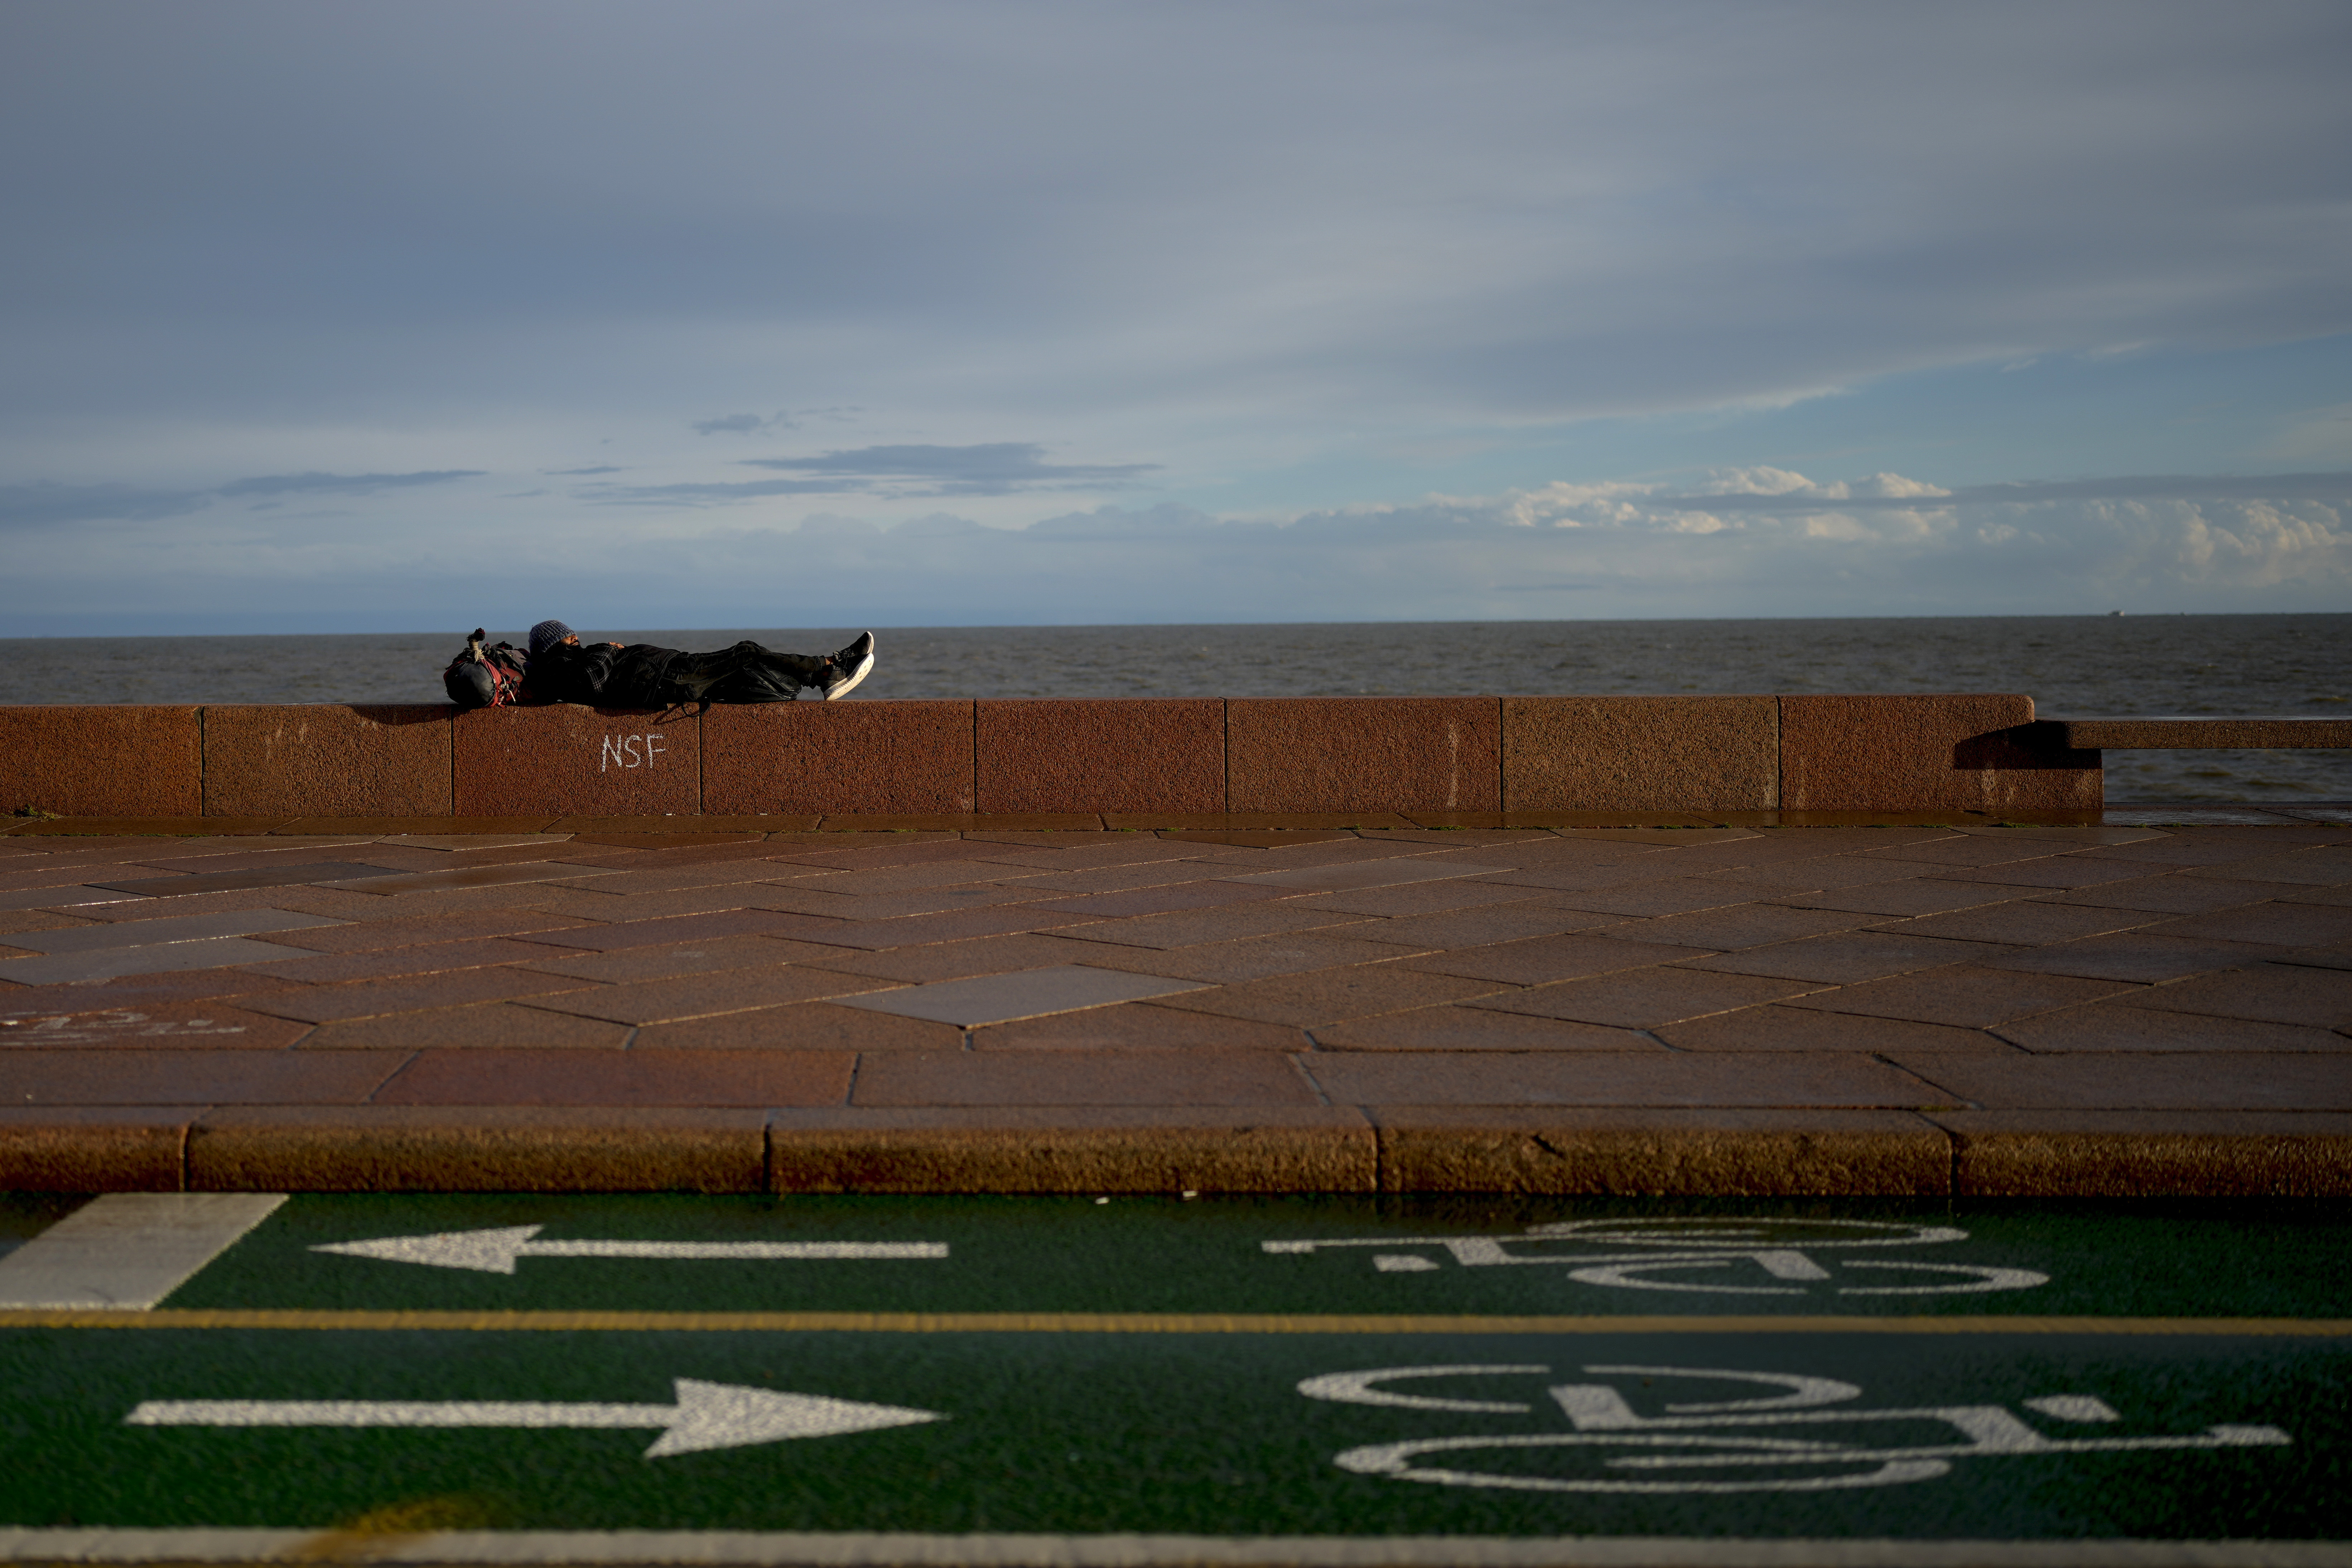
1781, 1250
1711, 1446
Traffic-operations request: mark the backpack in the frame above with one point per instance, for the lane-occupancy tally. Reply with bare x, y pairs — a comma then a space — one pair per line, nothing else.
485, 675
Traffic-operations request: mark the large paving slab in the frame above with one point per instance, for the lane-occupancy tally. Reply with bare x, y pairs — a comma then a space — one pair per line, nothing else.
1891, 1006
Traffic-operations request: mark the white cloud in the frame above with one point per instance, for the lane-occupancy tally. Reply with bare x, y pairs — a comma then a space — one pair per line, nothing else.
1266, 261
1618, 549
1889, 485
1755, 482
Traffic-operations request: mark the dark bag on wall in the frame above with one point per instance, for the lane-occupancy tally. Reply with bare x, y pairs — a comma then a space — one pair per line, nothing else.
485, 675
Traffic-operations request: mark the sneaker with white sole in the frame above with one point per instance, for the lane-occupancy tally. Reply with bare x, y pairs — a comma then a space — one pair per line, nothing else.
850, 666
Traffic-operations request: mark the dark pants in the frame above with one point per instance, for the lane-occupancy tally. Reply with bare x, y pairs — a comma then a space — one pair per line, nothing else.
744, 673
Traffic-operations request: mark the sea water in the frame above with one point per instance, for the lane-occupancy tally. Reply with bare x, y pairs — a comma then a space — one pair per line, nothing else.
2071, 666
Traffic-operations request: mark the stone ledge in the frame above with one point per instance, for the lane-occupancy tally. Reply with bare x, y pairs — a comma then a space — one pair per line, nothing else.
426, 1149
1929, 753
1053, 1148
1662, 1153
2160, 734
1148, 1149
94, 1149
2149, 1154
1435, 761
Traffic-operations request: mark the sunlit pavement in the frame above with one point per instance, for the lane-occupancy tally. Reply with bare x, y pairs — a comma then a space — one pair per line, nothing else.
469, 1378
1881, 1008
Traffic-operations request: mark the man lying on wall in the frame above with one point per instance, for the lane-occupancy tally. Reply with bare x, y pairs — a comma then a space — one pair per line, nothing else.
562, 668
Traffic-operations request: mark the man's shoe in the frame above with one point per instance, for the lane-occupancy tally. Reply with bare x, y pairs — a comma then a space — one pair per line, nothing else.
850, 666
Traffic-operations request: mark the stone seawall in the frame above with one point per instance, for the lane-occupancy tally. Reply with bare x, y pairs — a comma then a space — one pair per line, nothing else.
1149, 759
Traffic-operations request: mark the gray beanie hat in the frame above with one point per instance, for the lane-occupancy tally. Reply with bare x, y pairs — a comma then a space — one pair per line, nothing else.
546, 634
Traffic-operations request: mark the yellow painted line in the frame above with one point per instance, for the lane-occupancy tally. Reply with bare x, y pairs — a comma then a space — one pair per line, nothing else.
1147, 1324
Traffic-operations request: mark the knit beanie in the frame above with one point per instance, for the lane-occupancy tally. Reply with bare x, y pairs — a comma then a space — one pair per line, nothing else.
546, 634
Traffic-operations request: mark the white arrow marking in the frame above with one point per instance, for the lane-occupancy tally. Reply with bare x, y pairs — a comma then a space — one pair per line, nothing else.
494, 1251
707, 1415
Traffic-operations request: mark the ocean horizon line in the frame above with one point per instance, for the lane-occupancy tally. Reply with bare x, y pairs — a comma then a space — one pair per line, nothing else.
307, 627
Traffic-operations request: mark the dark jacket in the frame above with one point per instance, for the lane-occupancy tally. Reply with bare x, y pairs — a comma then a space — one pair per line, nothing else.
602, 675
644, 676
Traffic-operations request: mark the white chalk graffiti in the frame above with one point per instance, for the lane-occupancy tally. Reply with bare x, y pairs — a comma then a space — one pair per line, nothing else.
1717, 1256
629, 752
1781, 1442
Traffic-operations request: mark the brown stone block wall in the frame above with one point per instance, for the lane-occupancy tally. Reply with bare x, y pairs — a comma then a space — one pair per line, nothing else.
330, 759
1363, 753
1964, 751
1641, 753
838, 758
1338, 757
569, 760
1160, 755
102, 760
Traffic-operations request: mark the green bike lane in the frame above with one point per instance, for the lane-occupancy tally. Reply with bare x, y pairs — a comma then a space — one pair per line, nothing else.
1449, 1380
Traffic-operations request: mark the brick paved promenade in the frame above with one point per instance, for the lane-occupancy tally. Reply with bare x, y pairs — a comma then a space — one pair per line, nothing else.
1900, 1009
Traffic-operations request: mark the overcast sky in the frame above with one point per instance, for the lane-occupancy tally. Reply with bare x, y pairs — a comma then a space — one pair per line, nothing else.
412, 315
